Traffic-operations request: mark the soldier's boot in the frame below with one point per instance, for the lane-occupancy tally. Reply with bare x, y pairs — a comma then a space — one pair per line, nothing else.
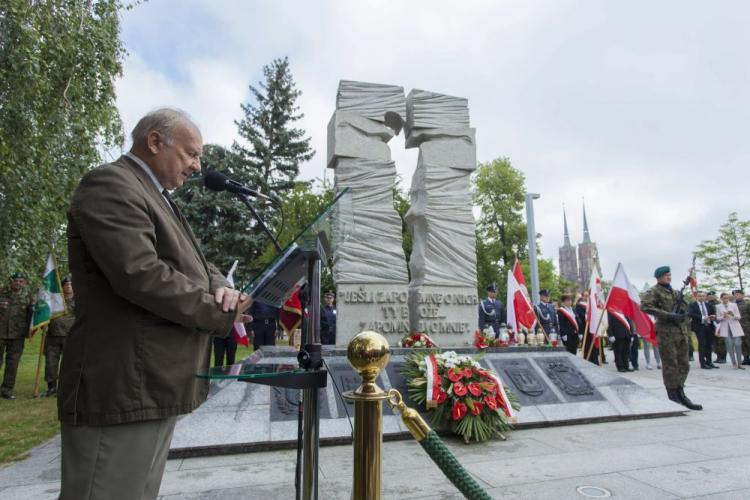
673, 395
686, 401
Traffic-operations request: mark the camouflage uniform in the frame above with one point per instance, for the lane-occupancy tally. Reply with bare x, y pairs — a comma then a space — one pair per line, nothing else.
744, 307
54, 343
672, 337
14, 328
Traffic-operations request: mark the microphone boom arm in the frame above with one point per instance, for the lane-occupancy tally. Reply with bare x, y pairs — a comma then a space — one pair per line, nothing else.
250, 207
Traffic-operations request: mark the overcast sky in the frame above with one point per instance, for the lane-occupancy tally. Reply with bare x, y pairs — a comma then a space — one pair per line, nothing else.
640, 107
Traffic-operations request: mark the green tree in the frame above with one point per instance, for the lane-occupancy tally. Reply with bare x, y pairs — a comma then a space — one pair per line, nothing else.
501, 232
402, 203
220, 221
724, 260
58, 63
272, 147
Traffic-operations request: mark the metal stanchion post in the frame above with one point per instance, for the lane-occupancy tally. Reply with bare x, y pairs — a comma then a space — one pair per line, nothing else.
368, 353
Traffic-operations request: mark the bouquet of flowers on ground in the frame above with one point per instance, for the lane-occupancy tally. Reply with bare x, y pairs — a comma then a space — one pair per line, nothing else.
417, 339
460, 394
484, 339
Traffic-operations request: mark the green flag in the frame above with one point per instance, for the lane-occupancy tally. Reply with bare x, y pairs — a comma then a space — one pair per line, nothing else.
49, 299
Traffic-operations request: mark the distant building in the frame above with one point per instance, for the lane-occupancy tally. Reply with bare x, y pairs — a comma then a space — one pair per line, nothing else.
568, 260
577, 268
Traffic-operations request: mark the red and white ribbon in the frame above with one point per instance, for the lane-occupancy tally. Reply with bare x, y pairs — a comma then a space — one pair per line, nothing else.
433, 380
505, 403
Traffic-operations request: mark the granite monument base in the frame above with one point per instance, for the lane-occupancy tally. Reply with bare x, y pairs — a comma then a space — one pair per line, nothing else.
554, 388
447, 314
378, 307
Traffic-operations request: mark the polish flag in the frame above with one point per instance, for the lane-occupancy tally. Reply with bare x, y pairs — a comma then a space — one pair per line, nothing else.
595, 309
518, 273
624, 298
238, 329
520, 312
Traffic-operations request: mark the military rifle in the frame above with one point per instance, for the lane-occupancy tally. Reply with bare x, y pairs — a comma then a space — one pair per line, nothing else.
680, 299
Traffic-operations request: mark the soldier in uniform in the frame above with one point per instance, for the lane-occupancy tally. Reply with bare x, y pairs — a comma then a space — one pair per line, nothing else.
744, 307
15, 317
546, 312
660, 301
55, 339
491, 311
720, 349
328, 320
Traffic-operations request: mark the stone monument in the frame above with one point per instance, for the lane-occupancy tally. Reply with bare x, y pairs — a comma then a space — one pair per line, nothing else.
369, 268
443, 288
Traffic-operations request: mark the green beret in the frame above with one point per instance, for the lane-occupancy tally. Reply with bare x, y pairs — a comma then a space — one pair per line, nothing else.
66, 279
18, 276
661, 271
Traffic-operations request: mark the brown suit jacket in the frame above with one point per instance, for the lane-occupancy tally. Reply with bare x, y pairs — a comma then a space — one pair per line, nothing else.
144, 304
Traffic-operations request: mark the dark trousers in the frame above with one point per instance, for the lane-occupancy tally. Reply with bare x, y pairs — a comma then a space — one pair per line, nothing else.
705, 341
621, 347
53, 347
572, 344
264, 332
11, 350
224, 346
634, 345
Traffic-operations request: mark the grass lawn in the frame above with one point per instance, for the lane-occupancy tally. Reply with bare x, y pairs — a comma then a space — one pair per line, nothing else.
27, 422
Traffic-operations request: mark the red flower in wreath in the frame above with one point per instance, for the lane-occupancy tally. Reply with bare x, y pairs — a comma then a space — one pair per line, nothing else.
459, 410
442, 395
474, 389
477, 408
416, 336
459, 389
467, 373
454, 375
490, 401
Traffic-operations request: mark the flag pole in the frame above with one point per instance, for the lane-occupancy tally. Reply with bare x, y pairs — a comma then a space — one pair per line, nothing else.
43, 333
585, 337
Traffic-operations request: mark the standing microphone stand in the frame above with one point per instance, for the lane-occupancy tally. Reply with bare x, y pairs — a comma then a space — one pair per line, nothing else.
309, 358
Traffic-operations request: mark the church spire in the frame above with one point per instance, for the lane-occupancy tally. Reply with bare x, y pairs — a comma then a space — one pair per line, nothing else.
565, 223
586, 236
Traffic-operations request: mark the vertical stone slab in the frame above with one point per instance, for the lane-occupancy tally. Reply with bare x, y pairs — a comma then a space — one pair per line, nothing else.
443, 299
369, 268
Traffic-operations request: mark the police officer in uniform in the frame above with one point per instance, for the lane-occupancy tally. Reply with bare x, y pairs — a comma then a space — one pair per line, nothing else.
546, 312
491, 311
660, 301
328, 320
264, 325
55, 339
744, 307
15, 317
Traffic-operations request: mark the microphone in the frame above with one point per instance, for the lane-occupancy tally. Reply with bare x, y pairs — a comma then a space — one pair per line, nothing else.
216, 181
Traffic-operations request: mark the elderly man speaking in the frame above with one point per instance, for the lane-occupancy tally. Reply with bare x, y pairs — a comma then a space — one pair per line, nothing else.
147, 304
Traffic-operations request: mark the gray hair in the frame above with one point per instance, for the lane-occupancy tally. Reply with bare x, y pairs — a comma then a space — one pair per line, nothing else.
161, 120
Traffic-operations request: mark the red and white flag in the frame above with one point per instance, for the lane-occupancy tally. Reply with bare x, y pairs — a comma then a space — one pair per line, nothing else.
238, 329
595, 309
624, 298
518, 273
520, 311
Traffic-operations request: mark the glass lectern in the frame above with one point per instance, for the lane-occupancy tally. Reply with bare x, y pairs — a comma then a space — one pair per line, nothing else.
299, 263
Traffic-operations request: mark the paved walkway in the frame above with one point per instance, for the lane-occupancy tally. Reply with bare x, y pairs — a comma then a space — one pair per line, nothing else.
702, 455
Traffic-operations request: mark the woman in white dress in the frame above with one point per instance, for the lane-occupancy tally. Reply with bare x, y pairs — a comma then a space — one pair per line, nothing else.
729, 328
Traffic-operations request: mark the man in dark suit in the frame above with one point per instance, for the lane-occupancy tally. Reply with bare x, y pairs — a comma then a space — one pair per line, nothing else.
147, 303
702, 315
491, 311
264, 325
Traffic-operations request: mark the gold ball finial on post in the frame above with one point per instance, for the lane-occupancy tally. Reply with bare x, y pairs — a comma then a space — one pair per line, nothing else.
368, 353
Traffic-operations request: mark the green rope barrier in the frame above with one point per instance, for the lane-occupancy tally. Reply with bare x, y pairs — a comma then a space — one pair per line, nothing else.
437, 450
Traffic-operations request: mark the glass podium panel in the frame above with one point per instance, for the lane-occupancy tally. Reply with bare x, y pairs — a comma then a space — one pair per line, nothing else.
281, 277
273, 374
242, 371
